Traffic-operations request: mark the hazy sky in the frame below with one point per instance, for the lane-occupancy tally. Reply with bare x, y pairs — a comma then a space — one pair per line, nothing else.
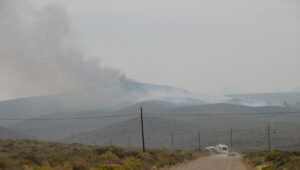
201, 45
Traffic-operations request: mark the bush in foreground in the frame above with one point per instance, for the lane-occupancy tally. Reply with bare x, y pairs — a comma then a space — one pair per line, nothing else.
33, 155
288, 160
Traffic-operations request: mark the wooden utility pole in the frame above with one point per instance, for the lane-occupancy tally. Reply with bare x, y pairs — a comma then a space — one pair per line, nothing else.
148, 144
172, 140
199, 142
231, 139
269, 140
142, 126
269, 136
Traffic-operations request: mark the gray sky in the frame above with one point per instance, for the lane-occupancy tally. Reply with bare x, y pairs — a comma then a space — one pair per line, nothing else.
201, 45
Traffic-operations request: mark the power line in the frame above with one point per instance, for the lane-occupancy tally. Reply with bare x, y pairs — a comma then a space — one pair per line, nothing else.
152, 114
73, 118
220, 114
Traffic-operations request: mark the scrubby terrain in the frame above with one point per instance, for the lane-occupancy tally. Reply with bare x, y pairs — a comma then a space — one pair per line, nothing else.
275, 160
27, 154
161, 119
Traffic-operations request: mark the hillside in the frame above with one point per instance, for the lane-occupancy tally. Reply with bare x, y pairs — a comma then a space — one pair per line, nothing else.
59, 129
6, 133
149, 106
296, 105
280, 98
28, 108
157, 130
248, 133
214, 122
95, 98
224, 108
56, 129
131, 128
72, 124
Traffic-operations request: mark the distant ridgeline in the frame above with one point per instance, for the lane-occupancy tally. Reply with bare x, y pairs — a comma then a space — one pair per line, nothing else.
161, 119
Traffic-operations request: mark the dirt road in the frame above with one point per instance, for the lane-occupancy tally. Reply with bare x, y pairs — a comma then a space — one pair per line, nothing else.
214, 162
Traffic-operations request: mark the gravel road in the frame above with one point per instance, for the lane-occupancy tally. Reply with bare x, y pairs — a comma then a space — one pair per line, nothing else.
214, 162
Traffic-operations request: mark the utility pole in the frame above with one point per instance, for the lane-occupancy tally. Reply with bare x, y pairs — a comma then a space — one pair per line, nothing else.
128, 140
269, 137
231, 139
199, 144
269, 140
172, 140
149, 144
142, 126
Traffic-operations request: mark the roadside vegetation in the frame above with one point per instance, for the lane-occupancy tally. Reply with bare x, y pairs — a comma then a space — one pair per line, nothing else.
275, 160
34, 155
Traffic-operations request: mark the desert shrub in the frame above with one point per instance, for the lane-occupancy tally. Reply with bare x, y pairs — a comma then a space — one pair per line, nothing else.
145, 156
277, 158
109, 158
132, 153
101, 151
274, 156
34, 159
5, 163
294, 164
256, 161
274, 160
133, 164
118, 151
56, 161
164, 158
67, 166
296, 153
172, 159
20, 154
42, 168
254, 154
110, 167
269, 167
79, 165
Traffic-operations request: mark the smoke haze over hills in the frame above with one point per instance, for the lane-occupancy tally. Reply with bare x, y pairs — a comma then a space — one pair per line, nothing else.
40, 53
38, 56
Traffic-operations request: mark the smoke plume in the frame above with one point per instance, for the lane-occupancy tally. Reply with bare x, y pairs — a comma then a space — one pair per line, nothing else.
39, 56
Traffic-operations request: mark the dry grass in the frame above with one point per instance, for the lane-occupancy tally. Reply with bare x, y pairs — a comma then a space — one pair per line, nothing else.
275, 160
27, 154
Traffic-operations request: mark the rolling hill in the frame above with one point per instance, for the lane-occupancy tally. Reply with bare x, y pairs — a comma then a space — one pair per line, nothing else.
129, 92
6, 133
58, 129
279, 99
214, 122
247, 133
296, 105
28, 108
120, 132
224, 108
